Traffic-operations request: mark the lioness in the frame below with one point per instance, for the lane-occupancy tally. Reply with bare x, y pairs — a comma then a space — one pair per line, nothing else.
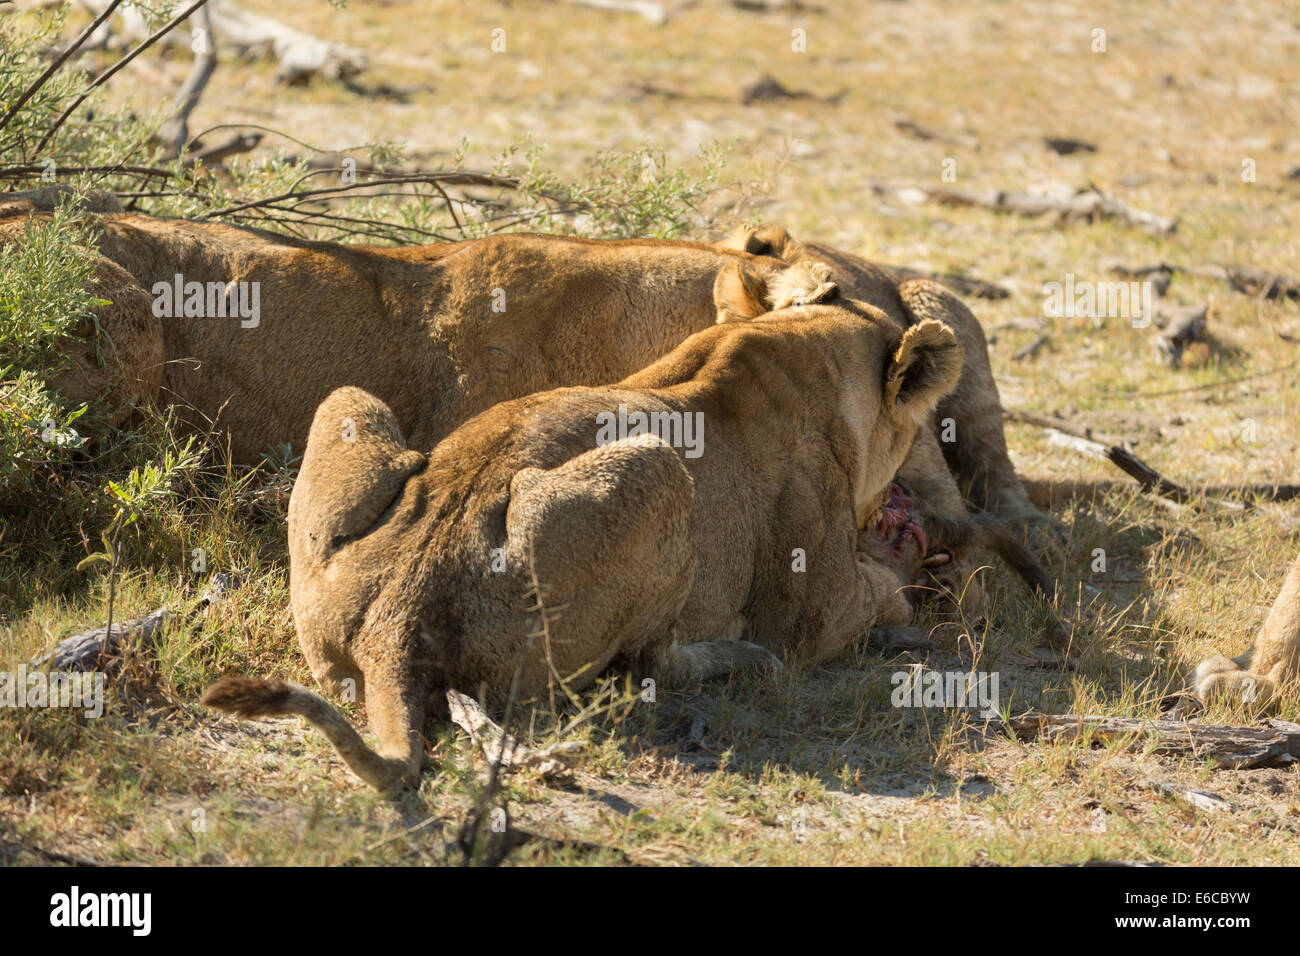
1273, 663
442, 332
654, 557
975, 449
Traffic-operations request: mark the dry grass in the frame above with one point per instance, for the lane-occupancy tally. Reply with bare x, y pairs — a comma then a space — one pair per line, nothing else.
813, 766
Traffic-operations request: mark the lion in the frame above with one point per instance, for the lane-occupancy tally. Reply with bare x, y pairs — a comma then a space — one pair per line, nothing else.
476, 322
1271, 665
676, 559
442, 332
973, 443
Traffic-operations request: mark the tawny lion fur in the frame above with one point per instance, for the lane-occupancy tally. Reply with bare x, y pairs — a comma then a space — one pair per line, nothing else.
417, 326
410, 570
442, 332
1271, 666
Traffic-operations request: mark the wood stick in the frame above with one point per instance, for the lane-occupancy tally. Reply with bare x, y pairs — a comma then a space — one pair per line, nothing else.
469, 716
1225, 747
107, 74
1032, 349
1067, 205
239, 143
964, 140
1270, 285
1147, 477
1060, 425
176, 130
1122, 458
98, 648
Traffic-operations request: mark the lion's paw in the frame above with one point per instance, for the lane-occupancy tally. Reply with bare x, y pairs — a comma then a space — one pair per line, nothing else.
1221, 679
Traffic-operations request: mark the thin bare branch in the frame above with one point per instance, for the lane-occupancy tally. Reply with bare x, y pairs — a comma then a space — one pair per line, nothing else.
58, 62
107, 74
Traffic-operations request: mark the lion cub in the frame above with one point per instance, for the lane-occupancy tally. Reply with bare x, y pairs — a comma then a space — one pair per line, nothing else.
684, 523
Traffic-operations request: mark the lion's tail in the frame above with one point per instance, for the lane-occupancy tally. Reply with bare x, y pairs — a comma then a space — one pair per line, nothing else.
250, 699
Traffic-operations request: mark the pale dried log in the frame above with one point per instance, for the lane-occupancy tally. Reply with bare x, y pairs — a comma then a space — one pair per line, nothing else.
1269, 285
176, 131
98, 649
653, 12
1224, 747
1066, 204
300, 56
501, 748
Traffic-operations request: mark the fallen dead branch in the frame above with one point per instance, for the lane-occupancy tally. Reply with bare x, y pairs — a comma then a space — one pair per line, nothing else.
235, 145
1060, 425
300, 56
176, 131
1224, 747
653, 12
1087, 442
1032, 349
1197, 798
1048, 493
768, 87
503, 750
1151, 480
1065, 204
99, 649
1248, 281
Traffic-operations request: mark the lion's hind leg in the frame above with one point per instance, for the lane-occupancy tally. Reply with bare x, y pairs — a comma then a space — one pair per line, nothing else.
607, 536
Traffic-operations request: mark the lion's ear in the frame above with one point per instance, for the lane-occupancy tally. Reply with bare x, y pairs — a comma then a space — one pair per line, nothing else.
925, 368
739, 293
741, 239
769, 240
802, 284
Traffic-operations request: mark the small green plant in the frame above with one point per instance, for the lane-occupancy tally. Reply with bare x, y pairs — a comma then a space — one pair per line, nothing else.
143, 491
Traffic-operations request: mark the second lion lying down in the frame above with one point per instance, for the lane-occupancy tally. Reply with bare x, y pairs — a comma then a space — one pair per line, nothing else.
409, 571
